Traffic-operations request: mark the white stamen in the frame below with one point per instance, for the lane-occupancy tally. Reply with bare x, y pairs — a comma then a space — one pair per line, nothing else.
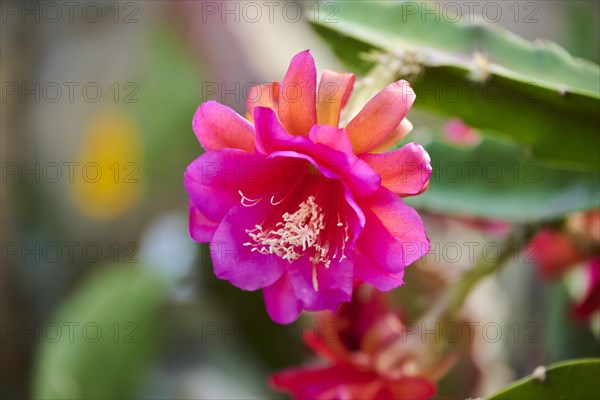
244, 200
296, 234
276, 203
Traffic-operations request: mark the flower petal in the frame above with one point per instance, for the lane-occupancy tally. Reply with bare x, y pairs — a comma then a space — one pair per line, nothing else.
201, 228
332, 96
215, 179
404, 171
333, 284
326, 342
357, 176
591, 301
271, 135
333, 137
297, 95
408, 388
554, 252
271, 138
266, 95
237, 263
324, 383
281, 302
399, 133
380, 117
394, 237
218, 127
368, 270
402, 222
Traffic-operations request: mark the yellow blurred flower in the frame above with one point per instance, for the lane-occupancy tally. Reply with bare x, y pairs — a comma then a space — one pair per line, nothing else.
110, 181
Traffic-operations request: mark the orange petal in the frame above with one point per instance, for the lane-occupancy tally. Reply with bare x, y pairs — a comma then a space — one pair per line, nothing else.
332, 96
400, 133
266, 95
380, 117
297, 95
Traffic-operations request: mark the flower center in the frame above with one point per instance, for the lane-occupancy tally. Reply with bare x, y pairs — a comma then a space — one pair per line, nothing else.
303, 220
292, 236
300, 232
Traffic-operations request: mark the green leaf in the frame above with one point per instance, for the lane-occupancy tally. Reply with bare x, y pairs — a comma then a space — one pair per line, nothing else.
101, 338
499, 180
576, 379
170, 92
532, 92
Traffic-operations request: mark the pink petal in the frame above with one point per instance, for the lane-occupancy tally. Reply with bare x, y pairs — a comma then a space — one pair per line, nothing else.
271, 138
591, 301
333, 137
325, 342
334, 91
271, 135
219, 127
394, 237
457, 132
214, 179
380, 117
357, 176
306, 382
409, 388
402, 222
404, 171
334, 283
399, 133
237, 263
281, 302
374, 275
323, 383
266, 95
297, 95
201, 228
554, 252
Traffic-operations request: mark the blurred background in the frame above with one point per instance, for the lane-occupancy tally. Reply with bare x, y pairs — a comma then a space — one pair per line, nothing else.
103, 293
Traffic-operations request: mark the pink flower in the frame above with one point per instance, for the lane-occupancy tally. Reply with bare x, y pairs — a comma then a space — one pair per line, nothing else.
591, 300
299, 207
362, 358
556, 252
457, 132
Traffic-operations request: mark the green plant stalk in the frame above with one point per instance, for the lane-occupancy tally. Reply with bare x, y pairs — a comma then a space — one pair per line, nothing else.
449, 305
475, 275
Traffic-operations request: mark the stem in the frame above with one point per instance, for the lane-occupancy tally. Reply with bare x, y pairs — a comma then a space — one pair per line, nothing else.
475, 275
447, 308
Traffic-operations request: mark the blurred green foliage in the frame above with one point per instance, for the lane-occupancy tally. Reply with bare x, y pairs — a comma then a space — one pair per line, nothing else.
109, 332
533, 93
573, 380
499, 180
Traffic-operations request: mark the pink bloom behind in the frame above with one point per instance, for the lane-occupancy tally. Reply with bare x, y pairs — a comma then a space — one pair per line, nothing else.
556, 252
352, 346
591, 300
457, 132
299, 207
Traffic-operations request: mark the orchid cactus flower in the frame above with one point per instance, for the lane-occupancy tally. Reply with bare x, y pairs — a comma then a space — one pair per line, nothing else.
556, 252
459, 133
367, 356
300, 207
